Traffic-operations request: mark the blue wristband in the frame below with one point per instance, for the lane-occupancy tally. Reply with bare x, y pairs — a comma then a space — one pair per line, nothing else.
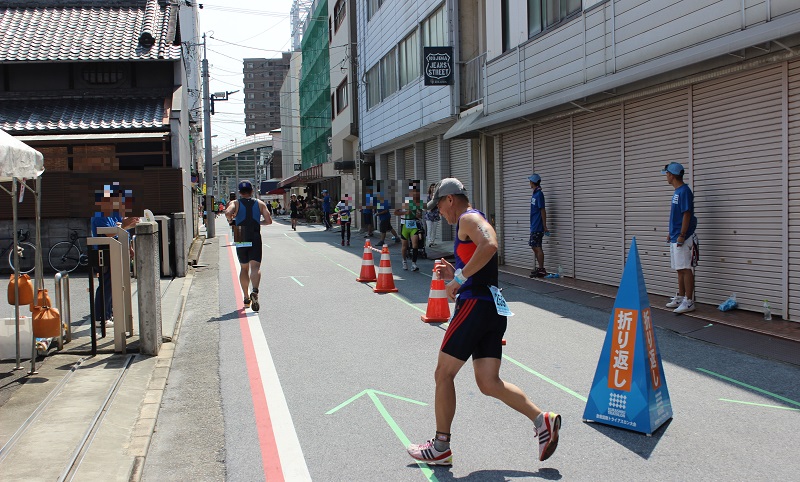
458, 277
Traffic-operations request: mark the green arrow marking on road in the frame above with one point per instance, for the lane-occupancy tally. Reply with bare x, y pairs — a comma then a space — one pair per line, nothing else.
760, 390
759, 404
373, 395
552, 382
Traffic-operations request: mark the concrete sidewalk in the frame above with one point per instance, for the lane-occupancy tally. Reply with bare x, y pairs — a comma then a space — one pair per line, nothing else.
89, 418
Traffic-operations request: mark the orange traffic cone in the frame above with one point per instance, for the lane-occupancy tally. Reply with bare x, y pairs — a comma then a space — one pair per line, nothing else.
438, 309
367, 265
385, 276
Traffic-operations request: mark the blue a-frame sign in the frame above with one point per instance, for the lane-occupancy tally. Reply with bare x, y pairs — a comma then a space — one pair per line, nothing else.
629, 388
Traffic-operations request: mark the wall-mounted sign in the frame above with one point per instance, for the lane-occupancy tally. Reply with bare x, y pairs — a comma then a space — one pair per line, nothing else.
298, 167
438, 65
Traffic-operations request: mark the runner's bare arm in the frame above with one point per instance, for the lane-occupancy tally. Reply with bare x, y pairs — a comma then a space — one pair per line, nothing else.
230, 211
473, 226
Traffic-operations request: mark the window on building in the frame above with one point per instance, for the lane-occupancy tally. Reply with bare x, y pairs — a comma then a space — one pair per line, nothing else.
339, 12
373, 87
249, 75
408, 58
434, 29
250, 85
330, 30
251, 95
251, 126
388, 67
333, 106
341, 96
98, 73
249, 65
373, 6
543, 14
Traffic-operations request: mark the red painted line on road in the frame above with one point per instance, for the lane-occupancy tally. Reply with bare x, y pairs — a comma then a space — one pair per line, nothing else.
266, 435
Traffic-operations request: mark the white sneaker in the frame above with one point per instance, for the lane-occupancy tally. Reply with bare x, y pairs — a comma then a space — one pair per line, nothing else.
414, 266
109, 324
405, 265
675, 301
686, 306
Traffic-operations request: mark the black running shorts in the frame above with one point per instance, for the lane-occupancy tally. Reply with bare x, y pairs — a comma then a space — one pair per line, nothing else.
475, 330
253, 253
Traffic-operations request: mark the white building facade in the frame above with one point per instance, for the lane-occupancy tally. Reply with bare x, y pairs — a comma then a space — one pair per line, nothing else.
290, 117
598, 96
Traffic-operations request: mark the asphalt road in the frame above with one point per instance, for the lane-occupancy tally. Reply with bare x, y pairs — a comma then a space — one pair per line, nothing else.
329, 339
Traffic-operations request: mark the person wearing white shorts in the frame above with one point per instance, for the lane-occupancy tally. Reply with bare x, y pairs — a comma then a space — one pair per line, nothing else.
682, 239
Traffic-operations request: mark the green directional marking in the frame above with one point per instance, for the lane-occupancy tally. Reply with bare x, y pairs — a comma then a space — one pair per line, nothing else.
296, 281
760, 390
347, 269
406, 302
548, 380
373, 395
759, 404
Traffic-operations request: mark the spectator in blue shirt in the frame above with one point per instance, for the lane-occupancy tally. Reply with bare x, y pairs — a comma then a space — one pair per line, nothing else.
682, 239
326, 209
538, 225
385, 221
113, 204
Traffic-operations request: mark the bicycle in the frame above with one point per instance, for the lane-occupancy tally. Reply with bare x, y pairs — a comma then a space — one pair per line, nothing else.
68, 255
27, 252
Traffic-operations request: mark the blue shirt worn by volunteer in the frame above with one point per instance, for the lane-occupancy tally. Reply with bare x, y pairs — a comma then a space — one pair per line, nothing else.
326, 203
537, 204
682, 201
384, 211
477, 285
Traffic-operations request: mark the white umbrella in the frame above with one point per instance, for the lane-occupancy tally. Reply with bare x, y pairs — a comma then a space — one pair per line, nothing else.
18, 161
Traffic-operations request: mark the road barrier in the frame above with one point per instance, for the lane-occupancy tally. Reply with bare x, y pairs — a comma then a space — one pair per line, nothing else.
438, 310
385, 276
367, 265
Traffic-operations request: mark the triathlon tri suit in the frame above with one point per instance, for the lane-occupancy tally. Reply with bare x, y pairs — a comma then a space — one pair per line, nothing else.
475, 329
410, 221
249, 216
293, 210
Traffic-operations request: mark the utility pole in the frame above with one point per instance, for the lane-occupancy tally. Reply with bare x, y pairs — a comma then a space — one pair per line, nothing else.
209, 175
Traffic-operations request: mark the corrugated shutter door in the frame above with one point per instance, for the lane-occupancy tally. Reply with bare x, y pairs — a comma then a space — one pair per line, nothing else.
598, 198
461, 169
392, 165
432, 162
737, 167
656, 133
409, 167
552, 160
794, 191
517, 165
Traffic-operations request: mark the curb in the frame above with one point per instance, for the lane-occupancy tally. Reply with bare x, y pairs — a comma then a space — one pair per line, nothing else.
148, 414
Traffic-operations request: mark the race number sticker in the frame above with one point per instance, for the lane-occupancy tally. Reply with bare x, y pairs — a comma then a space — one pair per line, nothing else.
500, 302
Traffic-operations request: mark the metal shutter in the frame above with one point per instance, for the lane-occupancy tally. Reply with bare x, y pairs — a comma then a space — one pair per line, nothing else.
737, 134
461, 169
552, 159
794, 191
598, 196
656, 133
408, 154
432, 162
392, 164
517, 165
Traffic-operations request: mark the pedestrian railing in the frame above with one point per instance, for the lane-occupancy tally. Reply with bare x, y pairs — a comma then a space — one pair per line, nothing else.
62, 304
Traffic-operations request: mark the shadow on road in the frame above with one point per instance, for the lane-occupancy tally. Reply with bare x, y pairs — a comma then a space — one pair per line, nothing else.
499, 475
637, 443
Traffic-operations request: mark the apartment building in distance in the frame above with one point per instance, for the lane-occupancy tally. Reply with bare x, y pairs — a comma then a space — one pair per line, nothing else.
263, 79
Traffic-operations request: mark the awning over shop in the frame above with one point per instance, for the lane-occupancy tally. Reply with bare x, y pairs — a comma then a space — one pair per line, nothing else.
311, 175
463, 126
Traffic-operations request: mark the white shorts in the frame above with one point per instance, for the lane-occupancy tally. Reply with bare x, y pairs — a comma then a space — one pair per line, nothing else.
680, 257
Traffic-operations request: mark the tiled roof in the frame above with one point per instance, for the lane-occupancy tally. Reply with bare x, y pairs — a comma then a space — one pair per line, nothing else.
82, 32
97, 115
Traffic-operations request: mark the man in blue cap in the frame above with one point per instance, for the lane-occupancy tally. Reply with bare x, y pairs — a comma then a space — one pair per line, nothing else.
326, 209
683, 241
538, 225
248, 215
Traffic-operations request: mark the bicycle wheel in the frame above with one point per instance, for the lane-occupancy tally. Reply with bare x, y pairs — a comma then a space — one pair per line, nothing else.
64, 256
27, 257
